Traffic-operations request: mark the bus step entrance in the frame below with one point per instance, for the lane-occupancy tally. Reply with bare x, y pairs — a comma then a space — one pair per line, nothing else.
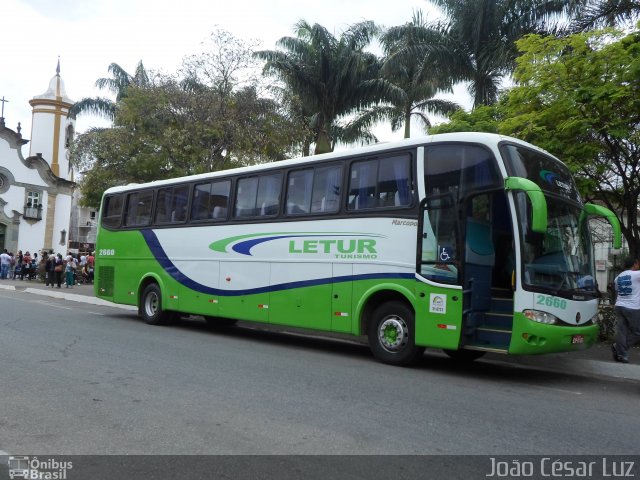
491, 330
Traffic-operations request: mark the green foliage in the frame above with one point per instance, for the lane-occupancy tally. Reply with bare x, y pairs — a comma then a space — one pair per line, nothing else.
409, 82
481, 119
326, 75
117, 84
169, 127
579, 98
481, 35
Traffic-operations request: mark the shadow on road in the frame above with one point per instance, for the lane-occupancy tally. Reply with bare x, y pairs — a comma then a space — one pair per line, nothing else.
492, 367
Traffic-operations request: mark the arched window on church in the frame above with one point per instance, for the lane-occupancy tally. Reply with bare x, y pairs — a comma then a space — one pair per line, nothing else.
68, 139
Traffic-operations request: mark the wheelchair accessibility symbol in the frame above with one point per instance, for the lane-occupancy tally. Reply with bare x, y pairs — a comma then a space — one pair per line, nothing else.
444, 254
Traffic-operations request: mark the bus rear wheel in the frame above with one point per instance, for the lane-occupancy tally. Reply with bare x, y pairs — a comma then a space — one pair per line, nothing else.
392, 334
151, 306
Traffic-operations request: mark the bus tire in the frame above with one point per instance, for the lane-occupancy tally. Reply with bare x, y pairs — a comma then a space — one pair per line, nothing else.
464, 355
392, 334
219, 322
151, 306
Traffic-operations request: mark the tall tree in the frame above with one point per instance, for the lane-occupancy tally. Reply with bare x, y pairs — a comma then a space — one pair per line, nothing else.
590, 14
327, 74
117, 84
579, 98
166, 131
409, 82
481, 35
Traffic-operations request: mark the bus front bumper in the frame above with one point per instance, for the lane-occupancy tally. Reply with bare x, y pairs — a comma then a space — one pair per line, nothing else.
532, 338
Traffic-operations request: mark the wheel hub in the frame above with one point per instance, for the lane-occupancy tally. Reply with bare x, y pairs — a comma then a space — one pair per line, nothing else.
393, 333
151, 304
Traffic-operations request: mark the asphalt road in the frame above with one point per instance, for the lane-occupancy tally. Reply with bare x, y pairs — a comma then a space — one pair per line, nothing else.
82, 379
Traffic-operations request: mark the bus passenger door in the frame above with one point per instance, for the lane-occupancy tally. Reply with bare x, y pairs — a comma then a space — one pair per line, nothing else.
438, 289
488, 263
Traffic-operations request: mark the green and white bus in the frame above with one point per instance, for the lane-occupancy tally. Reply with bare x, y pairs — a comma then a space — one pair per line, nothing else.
465, 242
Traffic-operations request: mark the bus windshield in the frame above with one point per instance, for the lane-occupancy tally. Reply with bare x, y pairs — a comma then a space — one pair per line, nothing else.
559, 261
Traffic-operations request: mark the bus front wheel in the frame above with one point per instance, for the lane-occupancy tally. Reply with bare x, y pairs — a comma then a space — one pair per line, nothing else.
392, 335
151, 306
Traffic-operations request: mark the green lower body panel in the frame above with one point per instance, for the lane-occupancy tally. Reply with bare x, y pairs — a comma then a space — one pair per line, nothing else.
532, 338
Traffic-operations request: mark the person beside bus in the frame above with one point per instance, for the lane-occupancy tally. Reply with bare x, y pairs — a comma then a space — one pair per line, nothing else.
5, 263
70, 270
58, 267
91, 260
26, 265
627, 310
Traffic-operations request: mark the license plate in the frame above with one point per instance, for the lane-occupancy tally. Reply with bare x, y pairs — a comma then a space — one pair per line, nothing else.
577, 339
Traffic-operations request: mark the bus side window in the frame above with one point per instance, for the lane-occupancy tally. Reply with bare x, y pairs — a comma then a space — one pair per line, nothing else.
246, 197
383, 182
200, 203
139, 208
112, 211
394, 181
327, 183
219, 199
268, 198
299, 189
362, 185
171, 204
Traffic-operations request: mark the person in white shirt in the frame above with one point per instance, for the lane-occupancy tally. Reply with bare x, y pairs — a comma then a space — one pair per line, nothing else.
5, 262
627, 310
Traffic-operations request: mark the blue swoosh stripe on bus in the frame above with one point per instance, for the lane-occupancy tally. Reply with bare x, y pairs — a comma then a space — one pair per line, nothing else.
175, 273
245, 247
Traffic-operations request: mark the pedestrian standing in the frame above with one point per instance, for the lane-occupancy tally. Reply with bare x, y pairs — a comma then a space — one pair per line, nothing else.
69, 270
627, 310
12, 267
19, 268
26, 266
5, 263
48, 269
90, 265
58, 268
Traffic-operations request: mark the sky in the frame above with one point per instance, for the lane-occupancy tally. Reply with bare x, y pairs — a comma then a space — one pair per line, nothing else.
88, 36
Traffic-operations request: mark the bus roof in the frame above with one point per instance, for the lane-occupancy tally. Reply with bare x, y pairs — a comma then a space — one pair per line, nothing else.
474, 137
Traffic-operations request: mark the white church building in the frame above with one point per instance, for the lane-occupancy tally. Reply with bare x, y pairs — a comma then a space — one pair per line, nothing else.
36, 192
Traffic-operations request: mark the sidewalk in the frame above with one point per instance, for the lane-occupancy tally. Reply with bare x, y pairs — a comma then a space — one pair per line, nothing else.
78, 293
594, 362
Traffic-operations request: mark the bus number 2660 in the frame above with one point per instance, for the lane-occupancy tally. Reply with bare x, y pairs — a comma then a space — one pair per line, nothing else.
105, 252
551, 301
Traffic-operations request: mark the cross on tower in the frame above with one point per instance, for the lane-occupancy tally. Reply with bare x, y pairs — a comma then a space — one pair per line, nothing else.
3, 102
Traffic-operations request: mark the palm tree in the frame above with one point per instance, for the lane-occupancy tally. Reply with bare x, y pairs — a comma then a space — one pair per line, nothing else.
480, 39
409, 81
118, 83
590, 14
327, 74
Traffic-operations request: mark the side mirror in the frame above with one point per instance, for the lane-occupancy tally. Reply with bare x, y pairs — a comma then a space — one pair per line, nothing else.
536, 197
600, 211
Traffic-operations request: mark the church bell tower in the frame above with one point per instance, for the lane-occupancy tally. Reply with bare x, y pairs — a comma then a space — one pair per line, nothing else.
51, 130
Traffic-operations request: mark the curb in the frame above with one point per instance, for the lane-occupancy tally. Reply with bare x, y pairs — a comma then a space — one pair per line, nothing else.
72, 297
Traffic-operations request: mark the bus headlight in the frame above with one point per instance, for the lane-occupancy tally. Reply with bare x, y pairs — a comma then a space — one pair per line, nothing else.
540, 317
